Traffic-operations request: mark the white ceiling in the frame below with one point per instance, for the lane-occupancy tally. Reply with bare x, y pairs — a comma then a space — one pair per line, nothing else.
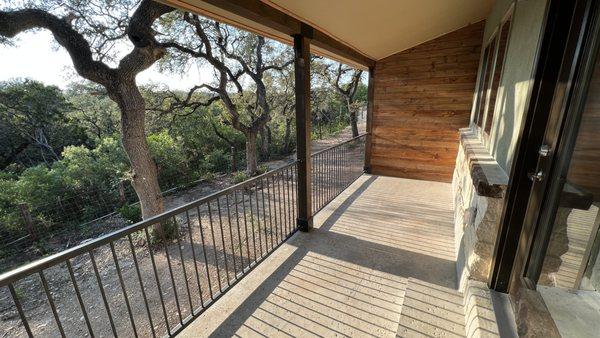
379, 28
376, 28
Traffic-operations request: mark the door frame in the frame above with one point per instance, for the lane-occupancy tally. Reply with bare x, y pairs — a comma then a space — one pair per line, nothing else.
559, 54
568, 138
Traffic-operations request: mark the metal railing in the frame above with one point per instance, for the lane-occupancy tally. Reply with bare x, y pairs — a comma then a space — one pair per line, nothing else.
335, 168
154, 277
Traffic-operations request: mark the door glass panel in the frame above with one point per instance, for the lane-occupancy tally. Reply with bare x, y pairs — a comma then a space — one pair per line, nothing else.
571, 260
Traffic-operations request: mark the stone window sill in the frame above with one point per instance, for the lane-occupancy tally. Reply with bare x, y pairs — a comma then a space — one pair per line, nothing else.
489, 179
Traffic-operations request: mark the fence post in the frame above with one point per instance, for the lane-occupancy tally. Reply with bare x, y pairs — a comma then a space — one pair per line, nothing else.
122, 198
233, 160
28, 220
303, 126
369, 123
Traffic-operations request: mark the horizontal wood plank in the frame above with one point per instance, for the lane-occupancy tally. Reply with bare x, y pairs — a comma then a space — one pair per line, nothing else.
422, 96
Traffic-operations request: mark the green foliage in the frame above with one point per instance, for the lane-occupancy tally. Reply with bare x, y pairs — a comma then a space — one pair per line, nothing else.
83, 185
208, 176
93, 111
172, 163
263, 168
34, 125
132, 213
165, 232
239, 177
216, 161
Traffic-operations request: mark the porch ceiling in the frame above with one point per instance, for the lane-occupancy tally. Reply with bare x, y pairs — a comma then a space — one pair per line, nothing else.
380, 28
374, 28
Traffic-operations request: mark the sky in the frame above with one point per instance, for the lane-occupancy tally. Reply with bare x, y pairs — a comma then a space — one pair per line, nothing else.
35, 56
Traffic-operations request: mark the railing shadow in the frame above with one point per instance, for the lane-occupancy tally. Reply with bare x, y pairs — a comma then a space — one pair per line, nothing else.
340, 284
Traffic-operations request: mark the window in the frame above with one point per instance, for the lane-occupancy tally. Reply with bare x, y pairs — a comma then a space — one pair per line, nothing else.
488, 54
495, 81
491, 74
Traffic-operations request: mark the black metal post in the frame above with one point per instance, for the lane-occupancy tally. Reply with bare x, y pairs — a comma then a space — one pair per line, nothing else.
303, 127
370, 104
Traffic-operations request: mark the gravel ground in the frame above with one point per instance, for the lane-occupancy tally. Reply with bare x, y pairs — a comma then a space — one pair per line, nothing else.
210, 249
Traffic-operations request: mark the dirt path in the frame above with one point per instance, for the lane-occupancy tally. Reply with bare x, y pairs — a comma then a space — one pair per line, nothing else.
210, 250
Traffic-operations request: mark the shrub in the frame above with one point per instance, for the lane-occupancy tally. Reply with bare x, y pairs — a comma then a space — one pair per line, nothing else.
208, 176
216, 161
263, 168
169, 231
173, 166
239, 177
132, 213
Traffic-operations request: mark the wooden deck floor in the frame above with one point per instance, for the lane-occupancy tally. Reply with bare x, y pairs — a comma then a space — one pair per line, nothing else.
380, 262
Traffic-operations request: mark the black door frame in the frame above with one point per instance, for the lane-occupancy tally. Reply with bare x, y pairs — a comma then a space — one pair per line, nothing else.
556, 62
570, 127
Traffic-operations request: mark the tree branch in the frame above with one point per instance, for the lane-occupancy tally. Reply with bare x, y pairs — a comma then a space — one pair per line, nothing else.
15, 22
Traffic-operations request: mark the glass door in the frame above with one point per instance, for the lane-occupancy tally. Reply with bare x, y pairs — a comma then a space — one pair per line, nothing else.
570, 259
563, 264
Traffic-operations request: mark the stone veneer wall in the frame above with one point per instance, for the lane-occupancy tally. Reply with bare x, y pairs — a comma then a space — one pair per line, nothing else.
479, 186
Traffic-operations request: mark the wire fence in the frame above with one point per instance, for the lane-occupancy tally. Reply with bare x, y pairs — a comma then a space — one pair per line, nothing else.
154, 277
68, 216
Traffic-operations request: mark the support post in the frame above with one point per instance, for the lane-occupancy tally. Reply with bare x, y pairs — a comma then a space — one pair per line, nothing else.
370, 104
303, 128
27, 220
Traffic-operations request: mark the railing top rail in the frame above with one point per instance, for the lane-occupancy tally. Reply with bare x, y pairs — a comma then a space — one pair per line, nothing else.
60, 257
339, 144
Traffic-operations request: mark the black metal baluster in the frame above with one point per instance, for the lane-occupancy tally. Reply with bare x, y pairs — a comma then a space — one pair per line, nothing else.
187, 285
189, 224
275, 202
164, 242
321, 180
252, 225
51, 302
291, 205
269, 197
15, 298
212, 231
120, 276
277, 223
139, 276
231, 236
262, 192
315, 181
204, 252
157, 278
246, 227
103, 294
258, 218
338, 170
280, 201
285, 204
79, 299
296, 194
237, 220
223, 241
326, 164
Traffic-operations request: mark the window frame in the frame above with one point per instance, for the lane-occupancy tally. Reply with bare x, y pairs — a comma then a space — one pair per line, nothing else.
482, 108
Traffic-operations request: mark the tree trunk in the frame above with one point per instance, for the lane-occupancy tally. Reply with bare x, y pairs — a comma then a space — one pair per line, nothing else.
264, 143
287, 136
251, 153
133, 136
353, 119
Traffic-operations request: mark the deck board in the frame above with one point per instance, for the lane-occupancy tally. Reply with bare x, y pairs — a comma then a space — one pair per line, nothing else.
349, 276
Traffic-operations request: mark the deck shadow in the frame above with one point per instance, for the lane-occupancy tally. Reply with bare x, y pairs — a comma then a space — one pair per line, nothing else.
336, 283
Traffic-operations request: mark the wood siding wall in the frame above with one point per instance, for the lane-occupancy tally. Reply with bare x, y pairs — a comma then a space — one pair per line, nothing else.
422, 97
